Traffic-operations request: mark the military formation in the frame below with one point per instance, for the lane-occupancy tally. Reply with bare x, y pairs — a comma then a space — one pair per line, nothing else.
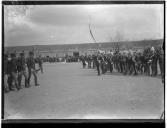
17, 67
127, 62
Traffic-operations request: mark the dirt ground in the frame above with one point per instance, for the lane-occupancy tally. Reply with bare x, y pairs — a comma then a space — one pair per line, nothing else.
67, 91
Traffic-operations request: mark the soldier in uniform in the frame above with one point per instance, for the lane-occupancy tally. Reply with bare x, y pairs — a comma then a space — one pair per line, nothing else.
13, 72
125, 64
161, 62
147, 61
117, 62
40, 63
83, 61
105, 64
114, 60
9, 80
121, 62
102, 64
6, 87
154, 63
110, 63
141, 58
89, 61
22, 70
129, 63
31, 68
134, 63
94, 61
97, 61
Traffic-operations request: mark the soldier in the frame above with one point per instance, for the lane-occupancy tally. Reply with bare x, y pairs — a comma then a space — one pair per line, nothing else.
83, 61
105, 63
125, 64
161, 62
13, 72
138, 62
114, 60
22, 70
89, 59
134, 63
117, 62
102, 64
6, 87
110, 63
147, 61
9, 80
94, 61
121, 62
141, 58
129, 62
154, 58
97, 61
31, 68
40, 63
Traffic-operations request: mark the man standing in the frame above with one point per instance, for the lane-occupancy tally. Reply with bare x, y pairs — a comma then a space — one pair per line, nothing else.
89, 61
98, 64
161, 61
83, 61
13, 71
110, 64
22, 70
31, 68
6, 87
40, 63
154, 63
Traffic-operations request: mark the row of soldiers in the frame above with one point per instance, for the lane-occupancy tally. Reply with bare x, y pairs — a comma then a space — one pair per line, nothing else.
17, 67
127, 62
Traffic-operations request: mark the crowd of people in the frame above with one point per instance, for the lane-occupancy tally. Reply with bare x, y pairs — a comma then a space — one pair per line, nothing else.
15, 67
54, 59
127, 62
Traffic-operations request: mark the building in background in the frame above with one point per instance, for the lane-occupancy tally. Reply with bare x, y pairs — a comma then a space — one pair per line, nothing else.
81, 49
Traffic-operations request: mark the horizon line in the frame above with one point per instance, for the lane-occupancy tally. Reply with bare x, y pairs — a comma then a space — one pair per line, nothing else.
85, 43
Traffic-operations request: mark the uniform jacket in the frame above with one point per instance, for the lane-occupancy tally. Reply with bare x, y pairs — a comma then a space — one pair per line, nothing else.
31, 62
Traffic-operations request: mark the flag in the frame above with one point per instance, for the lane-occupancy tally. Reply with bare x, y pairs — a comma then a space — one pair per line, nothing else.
91, 34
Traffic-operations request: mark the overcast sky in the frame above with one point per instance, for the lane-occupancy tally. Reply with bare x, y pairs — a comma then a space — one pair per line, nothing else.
66, 24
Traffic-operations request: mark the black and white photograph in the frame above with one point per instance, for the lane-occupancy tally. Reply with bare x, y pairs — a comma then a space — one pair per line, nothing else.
83, 61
